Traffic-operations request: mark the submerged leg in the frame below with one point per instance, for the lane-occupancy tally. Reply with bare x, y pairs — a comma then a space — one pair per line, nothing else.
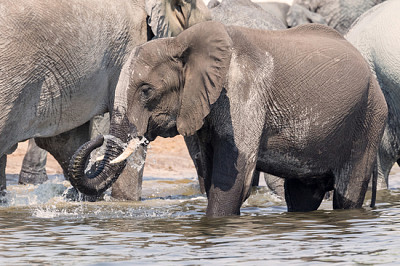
231, 178
275, 184
256, 178
33, 170
306, 195
3, 162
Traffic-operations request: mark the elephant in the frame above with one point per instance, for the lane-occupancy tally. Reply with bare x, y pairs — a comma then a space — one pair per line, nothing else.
375, 35
33, 169
239, 13
278, 9
244, 13
337, 14
298, 103
60, 62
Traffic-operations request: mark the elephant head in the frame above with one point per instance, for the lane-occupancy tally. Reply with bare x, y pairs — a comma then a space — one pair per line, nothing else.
166, 88
169, 18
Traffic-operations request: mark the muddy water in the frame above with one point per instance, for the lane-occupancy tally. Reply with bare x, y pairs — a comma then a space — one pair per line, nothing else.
40, 226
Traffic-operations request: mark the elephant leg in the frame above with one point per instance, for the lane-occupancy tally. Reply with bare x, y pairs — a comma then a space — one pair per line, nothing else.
275, 184
193, 145
3, 163
231, 178
351, 183
306, 195
256, 179
33, 169
129, 184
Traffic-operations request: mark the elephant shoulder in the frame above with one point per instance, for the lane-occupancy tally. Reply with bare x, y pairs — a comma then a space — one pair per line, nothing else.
317, 30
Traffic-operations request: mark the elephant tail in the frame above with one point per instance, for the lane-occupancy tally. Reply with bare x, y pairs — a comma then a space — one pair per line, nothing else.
374, 184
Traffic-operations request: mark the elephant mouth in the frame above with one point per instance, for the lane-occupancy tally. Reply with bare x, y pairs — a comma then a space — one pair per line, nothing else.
166, 130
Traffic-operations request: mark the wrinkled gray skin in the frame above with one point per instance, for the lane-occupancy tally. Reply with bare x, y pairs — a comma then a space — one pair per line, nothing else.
55, 55
278, 9
246, 14
338, 14
376, 35
237, 13
33, 170
233, 88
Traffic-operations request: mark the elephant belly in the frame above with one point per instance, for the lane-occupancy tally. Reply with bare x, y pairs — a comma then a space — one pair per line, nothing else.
290, 164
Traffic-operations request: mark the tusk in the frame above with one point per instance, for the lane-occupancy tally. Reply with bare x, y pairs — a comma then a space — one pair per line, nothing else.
132, 146
100, 158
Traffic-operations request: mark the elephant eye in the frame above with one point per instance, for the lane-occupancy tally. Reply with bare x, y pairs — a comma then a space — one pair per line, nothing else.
146, 91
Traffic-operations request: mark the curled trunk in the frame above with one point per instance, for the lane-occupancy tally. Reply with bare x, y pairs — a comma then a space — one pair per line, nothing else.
104, 176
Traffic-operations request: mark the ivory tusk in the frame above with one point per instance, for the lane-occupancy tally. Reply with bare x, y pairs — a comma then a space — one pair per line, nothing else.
100, 158
132, 146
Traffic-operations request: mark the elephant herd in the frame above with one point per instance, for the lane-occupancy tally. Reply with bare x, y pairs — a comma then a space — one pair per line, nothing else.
253, 87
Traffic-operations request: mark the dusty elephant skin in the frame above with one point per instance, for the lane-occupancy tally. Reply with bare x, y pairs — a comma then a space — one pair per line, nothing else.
243, 13
338, 14
60, 62
301, 104
376, 36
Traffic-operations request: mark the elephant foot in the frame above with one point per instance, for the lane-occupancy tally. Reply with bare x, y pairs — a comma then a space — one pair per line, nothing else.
26, 177
3, 198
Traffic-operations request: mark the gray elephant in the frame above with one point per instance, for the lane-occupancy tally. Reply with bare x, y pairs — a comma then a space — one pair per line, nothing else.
60, 62
278, 9
376, 36
299, 103
243, 13
338, 14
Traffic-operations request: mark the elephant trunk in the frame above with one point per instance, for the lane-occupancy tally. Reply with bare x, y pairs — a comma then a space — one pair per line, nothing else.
108, 169
104, 176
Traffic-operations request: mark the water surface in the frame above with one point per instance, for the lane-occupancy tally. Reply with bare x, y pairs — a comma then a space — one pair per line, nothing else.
40, 226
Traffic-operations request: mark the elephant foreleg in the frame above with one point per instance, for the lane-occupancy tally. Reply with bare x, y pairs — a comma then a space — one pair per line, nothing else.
33, 170
231, 178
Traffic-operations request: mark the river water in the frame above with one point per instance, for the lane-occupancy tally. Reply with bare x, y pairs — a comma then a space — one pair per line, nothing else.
40, 226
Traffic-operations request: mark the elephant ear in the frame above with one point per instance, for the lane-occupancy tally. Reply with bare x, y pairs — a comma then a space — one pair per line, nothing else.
156, 10
205, 52
170, 17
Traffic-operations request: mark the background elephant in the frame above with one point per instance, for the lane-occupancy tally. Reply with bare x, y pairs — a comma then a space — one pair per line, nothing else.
376, 36
244, 13
278, 9
55, 56
337, 14
233, 88
33, 169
